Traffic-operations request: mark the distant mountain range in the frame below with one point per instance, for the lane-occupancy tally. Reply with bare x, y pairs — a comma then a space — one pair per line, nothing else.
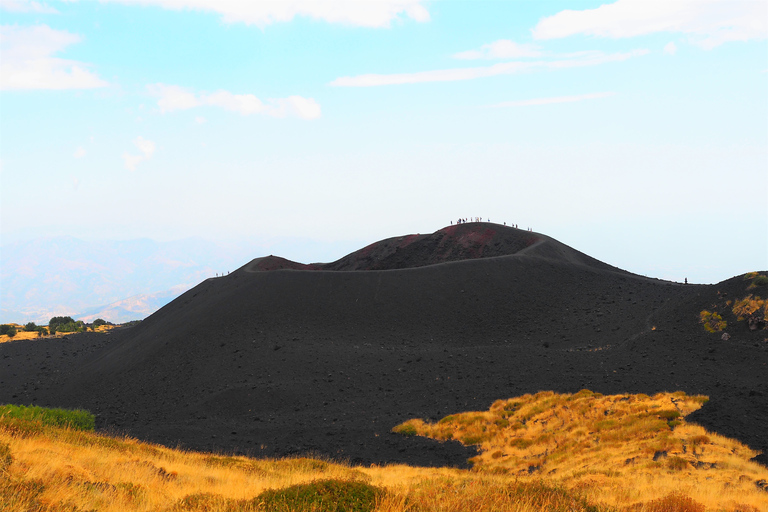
114, 280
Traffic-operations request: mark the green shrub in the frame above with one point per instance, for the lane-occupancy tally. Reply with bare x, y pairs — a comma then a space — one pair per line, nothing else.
77, 419
712, 321
99, 321
405, 429
760, 280
321, 496
8, 330
71, 327
30, 327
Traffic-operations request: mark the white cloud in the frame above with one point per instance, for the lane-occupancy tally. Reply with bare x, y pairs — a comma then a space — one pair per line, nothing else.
501, 49
709, 23
200, 119
79, 152
27, 61
245, 104
670, 48
174, 97
26, 6
147, 148
295, 106
369, 13
557, 99
504, 68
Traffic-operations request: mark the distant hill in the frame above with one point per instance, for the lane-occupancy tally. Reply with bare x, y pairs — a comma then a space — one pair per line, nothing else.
133, 308
55, 276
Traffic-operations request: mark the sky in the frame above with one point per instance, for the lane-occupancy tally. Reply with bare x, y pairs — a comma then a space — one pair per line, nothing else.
635, 131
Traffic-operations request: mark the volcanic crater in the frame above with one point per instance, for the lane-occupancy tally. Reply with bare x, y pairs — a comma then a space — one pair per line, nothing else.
281, 358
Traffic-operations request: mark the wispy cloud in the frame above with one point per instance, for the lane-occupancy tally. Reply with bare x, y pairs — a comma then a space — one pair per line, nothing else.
79, 152
556, 99
670, 48
174, 97
502, 49
27, 61
709, 23
376, 13
26, 6
147, 149
504, 68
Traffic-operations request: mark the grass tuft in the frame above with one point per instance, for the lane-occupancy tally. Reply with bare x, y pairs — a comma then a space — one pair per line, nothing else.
321, 496
76, 419
674, 502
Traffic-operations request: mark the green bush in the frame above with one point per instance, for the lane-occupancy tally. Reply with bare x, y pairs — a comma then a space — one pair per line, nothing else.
71, 327
8, 330
76, 419
30, 327
760, 280
56, 321
321, 496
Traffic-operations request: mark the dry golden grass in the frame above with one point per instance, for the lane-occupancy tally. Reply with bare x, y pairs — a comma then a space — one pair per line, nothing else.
620, 450
581, 444
21, 334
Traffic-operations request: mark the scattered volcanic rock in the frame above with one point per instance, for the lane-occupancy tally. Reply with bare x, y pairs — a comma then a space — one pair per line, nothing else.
282, 358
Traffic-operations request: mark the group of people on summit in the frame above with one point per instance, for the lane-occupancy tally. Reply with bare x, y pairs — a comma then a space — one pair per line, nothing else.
480, 219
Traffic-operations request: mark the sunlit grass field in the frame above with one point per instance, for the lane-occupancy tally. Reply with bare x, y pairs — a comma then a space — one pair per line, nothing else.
553, 452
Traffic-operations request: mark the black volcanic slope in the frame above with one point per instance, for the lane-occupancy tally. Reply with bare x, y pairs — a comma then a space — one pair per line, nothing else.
282, 358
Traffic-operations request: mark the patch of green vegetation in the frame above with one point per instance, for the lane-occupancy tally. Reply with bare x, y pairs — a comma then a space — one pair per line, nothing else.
321, 496
8, 330
520, 443
474, 439
668, 414
76, 419
713, 321
501, 422
406, 429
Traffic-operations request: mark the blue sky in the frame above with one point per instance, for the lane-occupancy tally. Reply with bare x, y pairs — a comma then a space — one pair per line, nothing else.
634, 131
